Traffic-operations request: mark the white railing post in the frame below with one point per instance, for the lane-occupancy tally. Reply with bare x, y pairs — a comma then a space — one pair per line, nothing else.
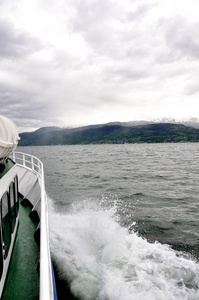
31, 159
24, 161
13, 156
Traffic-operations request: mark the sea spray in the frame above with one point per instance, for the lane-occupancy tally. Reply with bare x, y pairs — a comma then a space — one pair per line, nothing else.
101, 260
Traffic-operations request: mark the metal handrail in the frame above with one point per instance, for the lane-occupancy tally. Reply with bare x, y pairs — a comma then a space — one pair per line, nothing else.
46, 281
28, 161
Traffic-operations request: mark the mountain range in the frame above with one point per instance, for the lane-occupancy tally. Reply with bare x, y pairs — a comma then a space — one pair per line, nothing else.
158, 131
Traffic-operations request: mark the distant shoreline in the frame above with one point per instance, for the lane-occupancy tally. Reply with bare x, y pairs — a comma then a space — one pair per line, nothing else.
111, 134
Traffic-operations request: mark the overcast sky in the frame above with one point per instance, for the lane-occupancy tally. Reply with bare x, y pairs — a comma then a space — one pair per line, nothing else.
79, 62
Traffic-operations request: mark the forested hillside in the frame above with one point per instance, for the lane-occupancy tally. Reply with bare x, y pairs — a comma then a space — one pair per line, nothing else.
111, 134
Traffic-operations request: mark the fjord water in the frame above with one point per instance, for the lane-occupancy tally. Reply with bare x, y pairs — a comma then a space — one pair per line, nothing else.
124, 219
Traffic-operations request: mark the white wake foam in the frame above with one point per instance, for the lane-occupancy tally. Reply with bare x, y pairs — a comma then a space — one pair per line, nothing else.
101, 260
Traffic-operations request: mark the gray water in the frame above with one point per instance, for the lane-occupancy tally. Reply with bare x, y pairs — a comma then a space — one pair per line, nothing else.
124, 219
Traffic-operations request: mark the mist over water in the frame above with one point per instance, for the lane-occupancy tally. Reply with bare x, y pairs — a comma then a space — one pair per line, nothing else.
124, 219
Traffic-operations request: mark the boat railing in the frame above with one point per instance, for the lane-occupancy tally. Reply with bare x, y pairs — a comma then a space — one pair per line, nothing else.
46, 281
28, 161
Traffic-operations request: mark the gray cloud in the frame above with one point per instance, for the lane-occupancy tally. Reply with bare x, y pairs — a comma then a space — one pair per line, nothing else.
91, 13
96, 61
127, 72
94, 21
14, 43
192, 89
182, 36
140, 11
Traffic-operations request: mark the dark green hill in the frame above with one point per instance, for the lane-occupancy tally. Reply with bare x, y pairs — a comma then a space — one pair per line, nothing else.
108, 133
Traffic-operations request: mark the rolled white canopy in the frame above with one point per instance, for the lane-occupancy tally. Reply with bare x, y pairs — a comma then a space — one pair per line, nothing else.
8, 136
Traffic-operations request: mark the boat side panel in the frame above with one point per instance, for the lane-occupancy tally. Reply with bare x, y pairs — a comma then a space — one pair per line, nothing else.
5, 184
27, 179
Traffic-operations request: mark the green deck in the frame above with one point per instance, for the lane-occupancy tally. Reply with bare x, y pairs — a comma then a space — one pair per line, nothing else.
23, 280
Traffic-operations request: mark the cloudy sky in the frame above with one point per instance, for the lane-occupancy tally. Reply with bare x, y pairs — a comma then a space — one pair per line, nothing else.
79, 62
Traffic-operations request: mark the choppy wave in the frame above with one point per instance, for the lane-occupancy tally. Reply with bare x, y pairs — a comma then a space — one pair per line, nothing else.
102, 260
